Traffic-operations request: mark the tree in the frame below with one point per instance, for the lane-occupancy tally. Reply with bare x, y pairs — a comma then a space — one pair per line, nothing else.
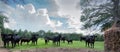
8, 31
14, 32
99, 37
105, 15
2, 20
25, 33
41, 33
20, 32
49, 33
99, 13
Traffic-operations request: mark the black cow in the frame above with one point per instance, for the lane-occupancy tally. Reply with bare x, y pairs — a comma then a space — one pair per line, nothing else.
63, 39
34, 39
69, 41
56, 40
89, 40
16, 39
47, 38
25, 39
6, 38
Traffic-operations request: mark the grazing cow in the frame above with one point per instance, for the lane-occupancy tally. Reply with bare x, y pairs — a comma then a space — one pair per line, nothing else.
89, 40
63, 39
47, 38
56, 40
34, 39
24, 39
69, 41
6, 38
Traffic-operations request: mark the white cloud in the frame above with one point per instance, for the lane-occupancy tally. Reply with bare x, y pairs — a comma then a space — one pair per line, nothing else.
42, 12
26, 17
59, 24
30, 8
30, 18
53, 8
68, 9
6, 11
39, 16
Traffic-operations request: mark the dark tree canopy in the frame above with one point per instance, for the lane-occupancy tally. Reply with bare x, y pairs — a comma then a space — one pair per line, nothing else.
3, 19
99, 13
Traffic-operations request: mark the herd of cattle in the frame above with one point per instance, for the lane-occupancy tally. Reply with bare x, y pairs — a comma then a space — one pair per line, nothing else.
16, 39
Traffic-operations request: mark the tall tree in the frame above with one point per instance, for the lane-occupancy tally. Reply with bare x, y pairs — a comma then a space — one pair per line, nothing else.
104, 14
20, 32
100, 13
41, 33
2, 20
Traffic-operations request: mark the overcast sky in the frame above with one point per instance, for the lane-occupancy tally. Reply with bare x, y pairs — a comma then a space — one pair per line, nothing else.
35, 15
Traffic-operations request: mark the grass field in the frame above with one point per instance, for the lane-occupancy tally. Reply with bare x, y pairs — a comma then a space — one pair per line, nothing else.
76, 44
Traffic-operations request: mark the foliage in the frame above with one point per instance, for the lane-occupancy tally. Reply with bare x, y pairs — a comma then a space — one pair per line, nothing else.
2, 20
99, 37
99, 13
73, 36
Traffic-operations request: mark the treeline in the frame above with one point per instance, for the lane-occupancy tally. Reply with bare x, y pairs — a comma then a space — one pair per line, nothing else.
42, 34
99, 37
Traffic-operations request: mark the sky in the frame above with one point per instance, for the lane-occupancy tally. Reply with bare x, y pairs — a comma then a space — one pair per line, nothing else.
34, 15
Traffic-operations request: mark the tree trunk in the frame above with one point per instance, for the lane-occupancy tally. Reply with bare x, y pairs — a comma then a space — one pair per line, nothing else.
112, 39
1, 43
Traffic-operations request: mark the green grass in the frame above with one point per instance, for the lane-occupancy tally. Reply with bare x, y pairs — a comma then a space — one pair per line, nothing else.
41, 44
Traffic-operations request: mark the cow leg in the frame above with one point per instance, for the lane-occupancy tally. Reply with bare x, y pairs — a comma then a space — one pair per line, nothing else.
15, 44
21, 43
90, 45
68, 42
93, 45
36, 42
7, 44
12, 44
45, 41
27, 43
86, 44
58, 43
18, 43
4, 44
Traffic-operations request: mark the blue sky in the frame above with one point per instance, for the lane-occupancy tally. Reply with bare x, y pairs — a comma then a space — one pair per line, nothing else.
34, 15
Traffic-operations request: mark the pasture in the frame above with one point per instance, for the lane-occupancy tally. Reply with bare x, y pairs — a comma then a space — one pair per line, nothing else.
41, 44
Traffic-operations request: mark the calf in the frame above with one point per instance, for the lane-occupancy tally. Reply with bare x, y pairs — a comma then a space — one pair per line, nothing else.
69, 41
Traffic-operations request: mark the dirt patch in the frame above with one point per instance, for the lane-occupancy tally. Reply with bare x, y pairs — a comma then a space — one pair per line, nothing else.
4, 50
58, 50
